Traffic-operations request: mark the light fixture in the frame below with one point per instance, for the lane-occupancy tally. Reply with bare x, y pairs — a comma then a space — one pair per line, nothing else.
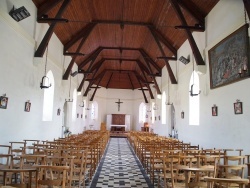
69, 100
194, 90
184, 60
45, 80
19, 14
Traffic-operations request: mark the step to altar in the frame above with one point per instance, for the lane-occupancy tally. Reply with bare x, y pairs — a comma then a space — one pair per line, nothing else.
118, 133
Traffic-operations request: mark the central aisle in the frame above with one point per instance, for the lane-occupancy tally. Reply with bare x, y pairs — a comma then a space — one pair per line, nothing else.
119, 167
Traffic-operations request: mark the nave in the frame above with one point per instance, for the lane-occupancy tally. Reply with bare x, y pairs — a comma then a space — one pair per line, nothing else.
119, 167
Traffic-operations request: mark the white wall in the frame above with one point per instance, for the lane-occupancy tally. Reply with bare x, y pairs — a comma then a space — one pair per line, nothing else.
20, 78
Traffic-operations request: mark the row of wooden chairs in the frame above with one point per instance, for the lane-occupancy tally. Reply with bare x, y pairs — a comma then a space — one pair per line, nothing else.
170, 158
75, 157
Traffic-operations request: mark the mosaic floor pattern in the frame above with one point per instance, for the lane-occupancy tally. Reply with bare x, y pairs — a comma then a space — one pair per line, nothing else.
119, 167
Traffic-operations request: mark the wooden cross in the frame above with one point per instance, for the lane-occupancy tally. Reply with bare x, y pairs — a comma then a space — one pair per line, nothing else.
119, 102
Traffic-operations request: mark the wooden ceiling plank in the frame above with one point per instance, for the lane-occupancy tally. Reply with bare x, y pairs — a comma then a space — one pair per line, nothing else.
67, 72
46, 7
109, 80
83, 33
92, 56
170, 72
247, 7
145, 98
130, 80
163, 40
196, 52
41, 49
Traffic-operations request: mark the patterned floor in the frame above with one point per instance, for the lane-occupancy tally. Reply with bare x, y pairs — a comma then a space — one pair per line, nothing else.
119, 167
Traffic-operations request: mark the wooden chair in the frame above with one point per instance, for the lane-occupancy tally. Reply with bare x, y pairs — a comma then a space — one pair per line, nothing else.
224, 182
52, 175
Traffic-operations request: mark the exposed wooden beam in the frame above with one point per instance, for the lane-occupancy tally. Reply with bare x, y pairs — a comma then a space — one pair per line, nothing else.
109, 80
49, 20
168, 58
97, 64
41, 49
247, 7
81, 84
166, 42
83, 33
92, 56
197, 27
73, 53
196, 52
144, 68
92, 98
170, 72
193, 10
147, 84
46, 7
145, 98
130, 80
157, 86
122, 22
148, 59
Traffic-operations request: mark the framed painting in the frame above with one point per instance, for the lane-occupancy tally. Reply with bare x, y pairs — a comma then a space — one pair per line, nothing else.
214, 111
229, 59
238, 108
27, 106
3, 102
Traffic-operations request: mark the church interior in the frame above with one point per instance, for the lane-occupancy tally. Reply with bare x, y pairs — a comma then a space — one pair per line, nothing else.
124, 93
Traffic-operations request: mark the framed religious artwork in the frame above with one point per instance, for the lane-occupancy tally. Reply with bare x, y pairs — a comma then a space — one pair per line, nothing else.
229, 59
3, 102
214, 111
238, 108
27, 106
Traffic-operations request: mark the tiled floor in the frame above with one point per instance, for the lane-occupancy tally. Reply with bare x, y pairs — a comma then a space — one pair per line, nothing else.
119, 167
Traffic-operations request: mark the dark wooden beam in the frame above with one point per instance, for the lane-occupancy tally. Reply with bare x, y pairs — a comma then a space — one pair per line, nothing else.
157, 86
168, 58
84, 33
149, 60
46, 7
170, 72
67, 72
97, 64
193, 10
49, 20
91, 56
198, 28
130, 80
145, 98
147, 84
117, 22
247, 7
143, 67
81, 84
142, 89
109, 80
196, 52
73, 53
166, 42
41, 49
100, 79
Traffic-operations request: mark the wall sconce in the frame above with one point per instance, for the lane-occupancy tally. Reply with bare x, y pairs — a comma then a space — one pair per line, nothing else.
184, 60
19, 14
243, 71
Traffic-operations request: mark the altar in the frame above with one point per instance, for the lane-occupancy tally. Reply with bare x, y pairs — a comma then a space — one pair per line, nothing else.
118, 127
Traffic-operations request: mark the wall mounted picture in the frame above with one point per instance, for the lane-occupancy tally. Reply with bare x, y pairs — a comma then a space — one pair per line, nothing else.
27, 106
58, 111
214, 111
3, 102
182, 115
229, 59
238, 108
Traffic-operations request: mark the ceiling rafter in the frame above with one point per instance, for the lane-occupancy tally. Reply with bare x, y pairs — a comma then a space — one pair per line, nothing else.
144, 95
130, 80
46, 7
247, 7
193, 45
169, 69
97, 86
109, 80
41, 49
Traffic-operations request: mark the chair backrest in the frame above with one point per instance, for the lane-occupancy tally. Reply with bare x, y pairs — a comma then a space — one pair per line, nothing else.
52, 175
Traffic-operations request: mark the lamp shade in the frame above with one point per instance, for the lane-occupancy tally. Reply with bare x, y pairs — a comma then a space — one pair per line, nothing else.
45, 83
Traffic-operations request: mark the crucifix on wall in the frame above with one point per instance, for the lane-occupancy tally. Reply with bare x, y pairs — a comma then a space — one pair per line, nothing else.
118, 102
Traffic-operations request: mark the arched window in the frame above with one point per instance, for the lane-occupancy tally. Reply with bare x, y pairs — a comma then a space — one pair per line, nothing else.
163, 109
194, 101
74, 105
48, 99
94, 110
142, 113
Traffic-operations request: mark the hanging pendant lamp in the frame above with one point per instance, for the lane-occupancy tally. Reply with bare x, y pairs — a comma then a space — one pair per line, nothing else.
45, 80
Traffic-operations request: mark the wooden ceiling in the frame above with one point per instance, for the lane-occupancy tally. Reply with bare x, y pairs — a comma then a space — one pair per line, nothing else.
122, 43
